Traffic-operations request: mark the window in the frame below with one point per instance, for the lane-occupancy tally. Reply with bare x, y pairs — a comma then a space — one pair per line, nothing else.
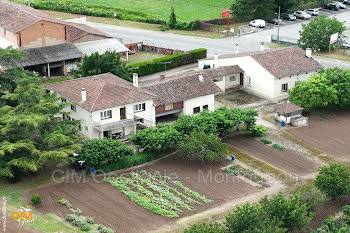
232, 78
205, 107
64, 100
73, 107
169, 107
196, 110
139, 107
64, 117
249, 81
106, 114
285, 87
69, 118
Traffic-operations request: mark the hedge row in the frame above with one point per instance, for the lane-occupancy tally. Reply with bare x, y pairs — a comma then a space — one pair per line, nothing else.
70, 6
179, 59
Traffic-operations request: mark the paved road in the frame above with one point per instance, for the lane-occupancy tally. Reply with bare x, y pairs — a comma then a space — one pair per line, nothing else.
247, 43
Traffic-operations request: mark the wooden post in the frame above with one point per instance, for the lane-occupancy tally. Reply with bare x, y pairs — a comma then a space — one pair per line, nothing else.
48, 70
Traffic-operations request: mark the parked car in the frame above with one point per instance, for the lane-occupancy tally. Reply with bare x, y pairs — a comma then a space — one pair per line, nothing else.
289, 17
340, 5
331, 6
313, 12
347, 2
274, 21
345, 44
259, 23
302, 15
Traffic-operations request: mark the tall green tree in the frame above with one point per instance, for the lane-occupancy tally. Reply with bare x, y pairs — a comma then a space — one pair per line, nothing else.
317, 33
99, 64
172, 20
31, 133
334, 180
253, 9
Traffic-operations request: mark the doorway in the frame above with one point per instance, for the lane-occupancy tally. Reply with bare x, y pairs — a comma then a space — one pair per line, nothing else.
241, 79
122, 113
106, 134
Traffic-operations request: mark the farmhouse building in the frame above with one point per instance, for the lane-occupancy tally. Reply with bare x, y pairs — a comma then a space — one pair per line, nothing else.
188, 93
109, 106
57, 44
271, 73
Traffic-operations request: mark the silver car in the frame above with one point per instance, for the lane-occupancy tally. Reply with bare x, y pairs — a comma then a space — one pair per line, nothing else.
340, 5
302, 15
313, 12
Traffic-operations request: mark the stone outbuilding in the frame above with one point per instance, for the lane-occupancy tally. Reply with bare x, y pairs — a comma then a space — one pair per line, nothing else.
290, 113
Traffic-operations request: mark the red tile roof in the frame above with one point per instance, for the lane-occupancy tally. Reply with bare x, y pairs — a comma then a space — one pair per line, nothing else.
16, 17
179, 88
103, 91
281, 62
287, 108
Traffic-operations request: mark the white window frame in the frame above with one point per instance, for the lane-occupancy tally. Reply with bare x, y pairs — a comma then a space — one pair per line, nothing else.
168, 107
73, 107
284, 87
106, 114
197, 108
139, 107
233, 78
250, 81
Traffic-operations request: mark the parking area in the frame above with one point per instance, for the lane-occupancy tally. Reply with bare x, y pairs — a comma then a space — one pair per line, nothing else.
298, 20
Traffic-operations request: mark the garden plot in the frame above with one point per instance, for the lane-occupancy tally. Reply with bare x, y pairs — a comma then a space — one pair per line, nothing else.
157, 193
112, 208
327, 132
285, 159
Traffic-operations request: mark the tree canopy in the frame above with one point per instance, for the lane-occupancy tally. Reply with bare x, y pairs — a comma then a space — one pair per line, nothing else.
317, 33
99, 64
329, 87
31, 134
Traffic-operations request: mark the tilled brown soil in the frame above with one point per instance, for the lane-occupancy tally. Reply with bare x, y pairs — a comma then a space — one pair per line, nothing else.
287, 160
330, 207
329, 133
112, 208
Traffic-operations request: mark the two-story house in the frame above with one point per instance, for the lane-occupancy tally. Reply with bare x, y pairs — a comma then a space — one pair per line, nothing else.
106, 105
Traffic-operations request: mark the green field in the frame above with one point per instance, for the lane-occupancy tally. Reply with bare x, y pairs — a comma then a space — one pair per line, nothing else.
186, 10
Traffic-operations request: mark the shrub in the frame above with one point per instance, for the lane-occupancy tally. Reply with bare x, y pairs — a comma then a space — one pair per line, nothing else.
106, 230
71, 218
36, 199
202, 147
333, 180
257, 131
266, 140
179, 59
206, 228
172, 20
346, 210
311, 197
97, 151
90, 220
289, 211
85, 227
278, 146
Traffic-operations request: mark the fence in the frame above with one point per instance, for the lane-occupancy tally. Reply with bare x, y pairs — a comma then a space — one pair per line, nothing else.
285, 40
140, 46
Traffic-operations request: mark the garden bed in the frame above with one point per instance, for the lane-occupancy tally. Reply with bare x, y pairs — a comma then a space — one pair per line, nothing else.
237, 170
113, 209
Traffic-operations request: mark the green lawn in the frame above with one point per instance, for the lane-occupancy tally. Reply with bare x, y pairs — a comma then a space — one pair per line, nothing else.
186, 10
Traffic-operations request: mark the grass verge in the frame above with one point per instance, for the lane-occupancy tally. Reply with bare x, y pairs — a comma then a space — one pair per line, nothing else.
339, 55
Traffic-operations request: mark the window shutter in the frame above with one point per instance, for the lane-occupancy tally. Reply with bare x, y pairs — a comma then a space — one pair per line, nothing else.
101, 113
144, 106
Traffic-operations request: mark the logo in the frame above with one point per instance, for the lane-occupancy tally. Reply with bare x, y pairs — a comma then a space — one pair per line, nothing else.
23, 215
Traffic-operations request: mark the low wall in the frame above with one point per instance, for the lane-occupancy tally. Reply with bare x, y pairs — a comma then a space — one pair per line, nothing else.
140, 46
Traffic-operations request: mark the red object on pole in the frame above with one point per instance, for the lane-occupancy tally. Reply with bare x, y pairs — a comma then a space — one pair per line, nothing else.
225, 14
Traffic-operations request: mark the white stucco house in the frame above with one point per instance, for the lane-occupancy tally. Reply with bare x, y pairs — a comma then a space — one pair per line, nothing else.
269, 74
111, 107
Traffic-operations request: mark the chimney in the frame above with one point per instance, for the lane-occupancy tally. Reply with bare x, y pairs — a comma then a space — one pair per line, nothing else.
236, 49
262, 46
83, 95
135, 80
200, 77
162, 77
308, 52
216, 61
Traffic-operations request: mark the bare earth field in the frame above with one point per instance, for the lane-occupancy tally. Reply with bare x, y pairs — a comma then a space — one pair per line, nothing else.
287, 160
112, 208
329, 133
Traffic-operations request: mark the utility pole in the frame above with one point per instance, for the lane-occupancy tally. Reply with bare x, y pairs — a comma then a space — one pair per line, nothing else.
164, 63
28, 2
278, 24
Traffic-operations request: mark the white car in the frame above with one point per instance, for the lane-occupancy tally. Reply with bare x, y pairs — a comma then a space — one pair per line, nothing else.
302, 15
313, 12
259, 23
